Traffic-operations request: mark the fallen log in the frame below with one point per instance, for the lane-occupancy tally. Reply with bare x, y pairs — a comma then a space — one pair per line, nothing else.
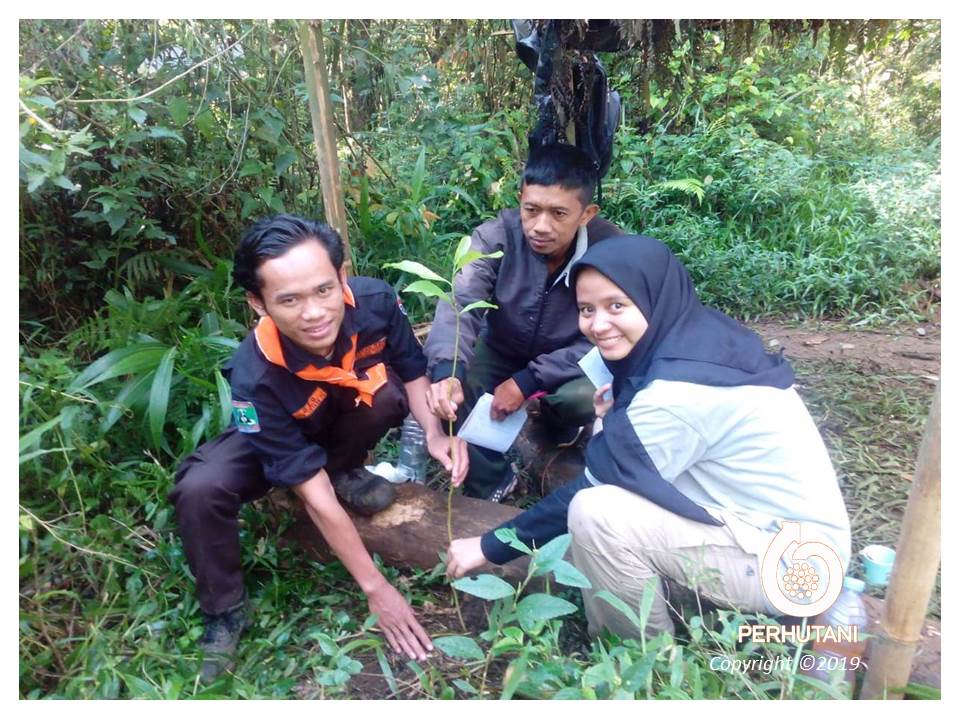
413, 530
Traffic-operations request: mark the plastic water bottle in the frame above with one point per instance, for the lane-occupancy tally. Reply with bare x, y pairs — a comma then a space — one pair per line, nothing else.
848, 611
413, 452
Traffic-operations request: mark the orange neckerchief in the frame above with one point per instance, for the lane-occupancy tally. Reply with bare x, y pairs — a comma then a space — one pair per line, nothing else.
268, 340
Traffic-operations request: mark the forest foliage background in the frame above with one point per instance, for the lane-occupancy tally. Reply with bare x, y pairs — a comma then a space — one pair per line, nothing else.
794, 166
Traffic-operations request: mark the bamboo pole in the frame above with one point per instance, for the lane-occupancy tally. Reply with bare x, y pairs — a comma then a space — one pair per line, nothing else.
324, 132
914, 573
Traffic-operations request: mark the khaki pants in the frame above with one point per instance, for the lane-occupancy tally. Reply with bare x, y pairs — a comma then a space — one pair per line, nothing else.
621, 540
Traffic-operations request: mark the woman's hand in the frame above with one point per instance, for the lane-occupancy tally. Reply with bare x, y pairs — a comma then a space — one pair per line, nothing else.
463, 556
601, 406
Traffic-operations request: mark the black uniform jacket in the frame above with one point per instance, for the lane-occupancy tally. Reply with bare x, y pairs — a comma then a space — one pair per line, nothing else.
283, 416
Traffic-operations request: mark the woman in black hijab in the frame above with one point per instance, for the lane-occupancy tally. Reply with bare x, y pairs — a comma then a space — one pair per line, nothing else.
705, 448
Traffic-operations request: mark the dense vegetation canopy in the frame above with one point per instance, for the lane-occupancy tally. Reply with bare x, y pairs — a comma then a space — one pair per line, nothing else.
793, 166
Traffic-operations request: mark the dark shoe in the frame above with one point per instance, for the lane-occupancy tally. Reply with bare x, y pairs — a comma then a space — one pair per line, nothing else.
505, 487
362, 491
219, 642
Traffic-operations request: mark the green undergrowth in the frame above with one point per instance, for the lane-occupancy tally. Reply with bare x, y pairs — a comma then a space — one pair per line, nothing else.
107, 609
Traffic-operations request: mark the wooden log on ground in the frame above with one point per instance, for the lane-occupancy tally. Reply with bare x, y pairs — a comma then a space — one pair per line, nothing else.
413, 530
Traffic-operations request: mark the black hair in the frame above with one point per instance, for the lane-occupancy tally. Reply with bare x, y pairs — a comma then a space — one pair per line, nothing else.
564, 165
273, 237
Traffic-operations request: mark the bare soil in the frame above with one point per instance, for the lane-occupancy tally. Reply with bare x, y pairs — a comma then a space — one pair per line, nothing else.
913, 349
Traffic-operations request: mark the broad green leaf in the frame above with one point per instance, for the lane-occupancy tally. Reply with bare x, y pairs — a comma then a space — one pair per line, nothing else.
620, 605
35, 179
465, 687
567, 574
488, 587
137, 115
474, 255
42, 101
545, 557
418, 269
64, 182
425, 287
508, 536
160, 396
540, 606
206, 124
164, 133
333, 677
28, 157
116, 219
129, 360
463, 247
637, 676
568, 693
477, 304
459, 646
250, 167
139, 688
179, 110
284, 161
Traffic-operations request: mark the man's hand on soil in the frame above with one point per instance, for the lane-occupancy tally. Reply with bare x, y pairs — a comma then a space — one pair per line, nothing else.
395, 617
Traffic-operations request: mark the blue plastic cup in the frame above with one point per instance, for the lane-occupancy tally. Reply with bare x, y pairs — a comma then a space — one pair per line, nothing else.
878, 563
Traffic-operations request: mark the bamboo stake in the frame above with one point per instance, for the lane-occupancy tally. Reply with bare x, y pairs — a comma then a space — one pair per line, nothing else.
324, 133
914, 573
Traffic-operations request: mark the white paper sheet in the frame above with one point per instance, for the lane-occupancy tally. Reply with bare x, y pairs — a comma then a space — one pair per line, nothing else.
480, 429
596, 371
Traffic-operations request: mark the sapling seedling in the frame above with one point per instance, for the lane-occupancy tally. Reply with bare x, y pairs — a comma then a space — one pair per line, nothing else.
432, 284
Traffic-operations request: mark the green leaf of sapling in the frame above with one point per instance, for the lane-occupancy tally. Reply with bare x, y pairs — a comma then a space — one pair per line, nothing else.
425, 287
488, 587
418, 269
478, 304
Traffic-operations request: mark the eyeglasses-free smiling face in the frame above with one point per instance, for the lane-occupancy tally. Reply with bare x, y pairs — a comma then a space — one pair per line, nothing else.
608, 317
303, 293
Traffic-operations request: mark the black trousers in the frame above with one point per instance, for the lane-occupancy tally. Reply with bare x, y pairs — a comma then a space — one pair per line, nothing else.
221, 475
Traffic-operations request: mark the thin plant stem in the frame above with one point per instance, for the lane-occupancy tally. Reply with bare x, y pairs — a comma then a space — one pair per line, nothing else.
453, 444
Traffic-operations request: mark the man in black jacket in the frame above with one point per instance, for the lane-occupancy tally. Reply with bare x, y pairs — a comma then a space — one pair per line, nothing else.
531, 343
331, 366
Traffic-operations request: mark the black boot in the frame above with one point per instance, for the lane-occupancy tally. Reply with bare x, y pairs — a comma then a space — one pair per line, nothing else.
362, 491
221, 634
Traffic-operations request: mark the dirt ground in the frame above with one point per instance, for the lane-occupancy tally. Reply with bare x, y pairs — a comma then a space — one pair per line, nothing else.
913, 348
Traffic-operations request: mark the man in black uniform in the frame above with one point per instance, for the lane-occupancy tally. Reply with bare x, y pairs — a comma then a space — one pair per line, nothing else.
331, 366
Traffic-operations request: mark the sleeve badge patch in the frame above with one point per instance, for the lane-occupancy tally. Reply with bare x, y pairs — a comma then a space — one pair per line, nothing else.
245, 417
